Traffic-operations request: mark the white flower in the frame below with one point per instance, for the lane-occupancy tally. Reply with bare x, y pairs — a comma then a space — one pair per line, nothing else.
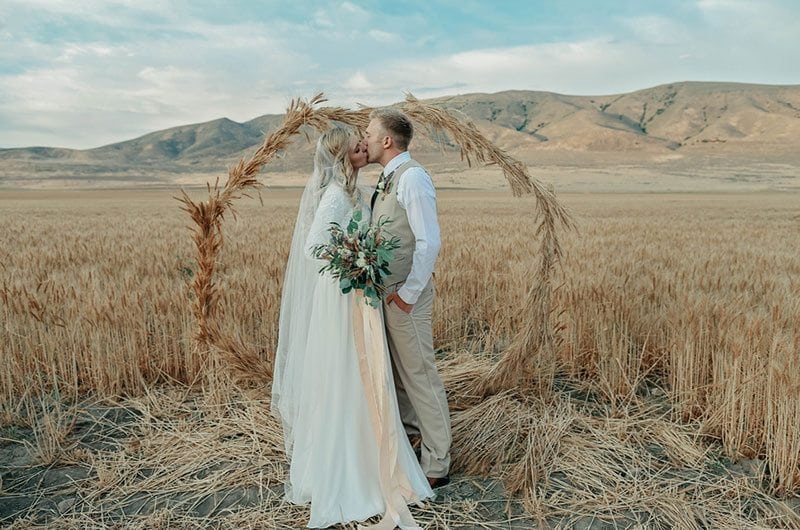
361, 262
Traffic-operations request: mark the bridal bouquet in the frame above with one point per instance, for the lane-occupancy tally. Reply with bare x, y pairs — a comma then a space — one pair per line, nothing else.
358, 258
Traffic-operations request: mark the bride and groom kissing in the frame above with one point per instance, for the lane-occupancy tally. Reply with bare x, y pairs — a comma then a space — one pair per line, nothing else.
354, 384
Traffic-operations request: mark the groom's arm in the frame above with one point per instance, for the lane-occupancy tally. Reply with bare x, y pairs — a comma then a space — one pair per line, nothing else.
416, 194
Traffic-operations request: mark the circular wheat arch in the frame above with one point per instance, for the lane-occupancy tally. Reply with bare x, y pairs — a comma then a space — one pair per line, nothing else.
528, 361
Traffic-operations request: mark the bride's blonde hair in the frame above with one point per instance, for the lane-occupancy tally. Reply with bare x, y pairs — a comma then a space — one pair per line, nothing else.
333, 157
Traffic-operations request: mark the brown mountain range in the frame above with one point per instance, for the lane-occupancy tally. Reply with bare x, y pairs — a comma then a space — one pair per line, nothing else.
680, 125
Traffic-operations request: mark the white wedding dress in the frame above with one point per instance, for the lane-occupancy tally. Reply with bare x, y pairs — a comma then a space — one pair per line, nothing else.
333, 387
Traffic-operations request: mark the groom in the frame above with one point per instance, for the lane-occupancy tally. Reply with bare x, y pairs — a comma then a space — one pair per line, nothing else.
406, 195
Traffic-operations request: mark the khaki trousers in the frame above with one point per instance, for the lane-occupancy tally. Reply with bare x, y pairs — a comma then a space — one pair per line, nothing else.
420, 392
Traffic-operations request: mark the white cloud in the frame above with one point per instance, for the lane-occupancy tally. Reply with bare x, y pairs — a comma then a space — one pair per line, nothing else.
728, 5
116, 13
128, 67
657, 29
568, 66
733, 19
72, 93
490, 62
95, 8
383, 36
322, 20
354, 10
170, 77
71, 51
44, 90
358, 82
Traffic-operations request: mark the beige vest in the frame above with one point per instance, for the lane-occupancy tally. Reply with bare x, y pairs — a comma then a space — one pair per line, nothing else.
386, 205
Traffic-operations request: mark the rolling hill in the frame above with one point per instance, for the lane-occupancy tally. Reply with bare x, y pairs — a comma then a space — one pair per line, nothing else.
681, 121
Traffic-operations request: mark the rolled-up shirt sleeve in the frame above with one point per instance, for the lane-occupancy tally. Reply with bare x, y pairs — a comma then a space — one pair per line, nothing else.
416, 194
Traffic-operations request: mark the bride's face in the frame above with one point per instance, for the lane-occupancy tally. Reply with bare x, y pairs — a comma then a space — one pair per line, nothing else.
357, 153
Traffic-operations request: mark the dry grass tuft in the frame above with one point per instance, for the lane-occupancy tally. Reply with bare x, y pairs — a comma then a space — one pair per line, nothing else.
188, 459
571, 463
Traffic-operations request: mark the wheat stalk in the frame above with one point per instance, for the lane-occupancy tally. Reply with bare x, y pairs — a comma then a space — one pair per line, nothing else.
715, 326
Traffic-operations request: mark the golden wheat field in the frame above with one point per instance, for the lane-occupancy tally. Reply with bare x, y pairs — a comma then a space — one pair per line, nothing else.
675, 401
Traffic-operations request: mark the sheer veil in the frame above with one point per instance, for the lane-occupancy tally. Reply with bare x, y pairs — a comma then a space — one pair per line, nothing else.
333, 391
302, 273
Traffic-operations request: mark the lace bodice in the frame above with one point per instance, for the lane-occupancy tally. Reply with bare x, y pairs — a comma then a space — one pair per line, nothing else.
335, 206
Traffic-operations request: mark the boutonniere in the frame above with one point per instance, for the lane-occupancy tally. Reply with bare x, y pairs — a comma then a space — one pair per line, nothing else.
385, 185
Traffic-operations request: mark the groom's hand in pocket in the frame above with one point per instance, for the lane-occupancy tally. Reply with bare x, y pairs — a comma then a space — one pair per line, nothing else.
394, 298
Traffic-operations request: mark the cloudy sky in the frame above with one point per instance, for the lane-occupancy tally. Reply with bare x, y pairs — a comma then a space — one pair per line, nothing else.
83, 73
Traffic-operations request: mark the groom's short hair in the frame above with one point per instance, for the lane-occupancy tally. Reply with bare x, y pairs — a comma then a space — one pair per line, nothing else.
396, 124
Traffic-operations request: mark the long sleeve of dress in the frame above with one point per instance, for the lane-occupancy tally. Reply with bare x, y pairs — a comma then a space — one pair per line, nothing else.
334, 207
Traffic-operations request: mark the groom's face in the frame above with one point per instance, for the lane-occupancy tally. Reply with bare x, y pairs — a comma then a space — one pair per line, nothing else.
373, 138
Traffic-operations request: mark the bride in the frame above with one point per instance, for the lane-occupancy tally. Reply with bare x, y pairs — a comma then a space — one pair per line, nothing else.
333, 388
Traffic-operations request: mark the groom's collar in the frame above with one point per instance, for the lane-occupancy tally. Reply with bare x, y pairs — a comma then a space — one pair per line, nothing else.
395, 162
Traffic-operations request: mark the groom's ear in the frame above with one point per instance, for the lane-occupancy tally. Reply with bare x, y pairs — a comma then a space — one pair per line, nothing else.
387, 142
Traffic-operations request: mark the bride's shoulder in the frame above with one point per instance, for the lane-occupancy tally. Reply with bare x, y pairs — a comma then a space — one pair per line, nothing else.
333, 195
334, 189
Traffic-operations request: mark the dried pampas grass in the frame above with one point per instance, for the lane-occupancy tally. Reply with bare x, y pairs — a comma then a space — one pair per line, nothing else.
530, 359
531, 353
208, 217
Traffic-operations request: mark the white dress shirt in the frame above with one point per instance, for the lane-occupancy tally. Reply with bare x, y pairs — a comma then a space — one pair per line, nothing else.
417, 196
